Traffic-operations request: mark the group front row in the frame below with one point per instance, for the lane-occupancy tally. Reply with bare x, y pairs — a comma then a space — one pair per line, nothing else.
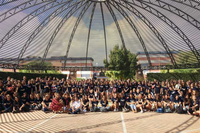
86, 103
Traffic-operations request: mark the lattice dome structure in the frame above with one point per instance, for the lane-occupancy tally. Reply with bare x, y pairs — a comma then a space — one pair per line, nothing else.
91, 28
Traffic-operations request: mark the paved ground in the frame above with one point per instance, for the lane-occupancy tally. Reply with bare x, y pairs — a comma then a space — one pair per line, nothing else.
99, 123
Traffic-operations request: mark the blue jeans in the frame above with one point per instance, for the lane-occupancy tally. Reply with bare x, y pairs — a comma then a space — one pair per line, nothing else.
133, 106
75, 111
9, 109
104, 109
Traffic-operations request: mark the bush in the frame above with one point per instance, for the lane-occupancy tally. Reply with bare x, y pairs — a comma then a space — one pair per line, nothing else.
19, 76
164, 76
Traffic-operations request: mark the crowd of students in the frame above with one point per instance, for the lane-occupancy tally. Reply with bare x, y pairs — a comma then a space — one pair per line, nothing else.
72, 96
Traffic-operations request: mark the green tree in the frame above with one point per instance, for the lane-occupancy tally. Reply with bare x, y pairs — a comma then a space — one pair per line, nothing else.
123, 64
32, 66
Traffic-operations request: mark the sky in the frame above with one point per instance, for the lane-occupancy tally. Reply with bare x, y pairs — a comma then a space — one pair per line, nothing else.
59, 46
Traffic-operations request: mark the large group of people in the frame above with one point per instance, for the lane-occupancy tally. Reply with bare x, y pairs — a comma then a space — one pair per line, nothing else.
92, 95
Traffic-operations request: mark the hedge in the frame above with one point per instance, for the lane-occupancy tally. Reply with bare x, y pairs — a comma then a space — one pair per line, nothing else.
164, 76
19, 76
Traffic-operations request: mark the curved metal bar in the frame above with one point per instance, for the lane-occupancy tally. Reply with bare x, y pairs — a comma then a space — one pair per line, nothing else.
74, 30
58, 29
119, 31
171, 24
20, 8
133, 26
192, 3
104, 29
4, 2
28, 18
88, 39
116, 23
44, 23
149, 24
174, 10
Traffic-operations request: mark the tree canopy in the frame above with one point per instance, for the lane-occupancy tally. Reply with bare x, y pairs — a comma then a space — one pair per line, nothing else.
122, 63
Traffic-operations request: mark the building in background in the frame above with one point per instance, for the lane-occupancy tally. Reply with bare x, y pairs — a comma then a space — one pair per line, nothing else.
57, 61
157, 58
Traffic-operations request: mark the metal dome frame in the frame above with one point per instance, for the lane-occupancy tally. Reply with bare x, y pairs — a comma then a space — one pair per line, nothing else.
119, 5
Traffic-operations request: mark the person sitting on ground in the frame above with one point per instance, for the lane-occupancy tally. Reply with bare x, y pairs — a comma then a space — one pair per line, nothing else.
186, 104
8, 104
115, 102
31, 101
94, 105
76, 106
25, 103
16, 105
104, 105
85, 104
177, 103
46, 103
122, 103
197, 112
131, 103
194, 105
57, 104
38, 102
66, 100
168, 105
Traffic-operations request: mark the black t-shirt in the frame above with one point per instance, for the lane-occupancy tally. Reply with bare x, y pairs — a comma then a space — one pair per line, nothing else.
31, 100
91, 95
8, 103
28, 89
114, 100
157, 90
94, 103
104, 104
119, 88
21, 90
24, 100
85, 102
37, 86
69, 88
107, 87
1, 90
101, 88
17, 104
66, 101
131, 100
47, 101
38, 101
46, 89
122, 101
42, 85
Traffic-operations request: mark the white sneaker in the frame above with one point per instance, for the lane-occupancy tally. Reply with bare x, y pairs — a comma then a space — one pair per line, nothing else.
142, 111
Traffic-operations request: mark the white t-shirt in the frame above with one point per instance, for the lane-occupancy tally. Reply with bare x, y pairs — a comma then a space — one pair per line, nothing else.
76, 104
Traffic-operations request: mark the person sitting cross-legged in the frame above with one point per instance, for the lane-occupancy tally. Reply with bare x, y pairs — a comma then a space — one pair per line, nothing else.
57, 104
46, 103
76, 106
94, 105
